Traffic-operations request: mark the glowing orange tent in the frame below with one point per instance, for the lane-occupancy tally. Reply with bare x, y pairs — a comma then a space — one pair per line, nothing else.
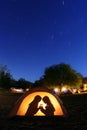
38, 102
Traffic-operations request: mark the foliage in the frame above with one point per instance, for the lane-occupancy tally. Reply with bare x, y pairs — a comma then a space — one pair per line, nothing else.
61, 74
55, 75
7, 81
22, 83
5, 77
38, 83
84, 80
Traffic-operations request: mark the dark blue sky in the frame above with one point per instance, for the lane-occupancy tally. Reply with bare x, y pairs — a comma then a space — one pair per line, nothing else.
35, 34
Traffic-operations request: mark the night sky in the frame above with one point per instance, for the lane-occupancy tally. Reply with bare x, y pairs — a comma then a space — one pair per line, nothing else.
35, 34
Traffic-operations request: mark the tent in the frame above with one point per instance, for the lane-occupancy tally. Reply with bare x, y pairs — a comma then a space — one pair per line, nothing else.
38, 102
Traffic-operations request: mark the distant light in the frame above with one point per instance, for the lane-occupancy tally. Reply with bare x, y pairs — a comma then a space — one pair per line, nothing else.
75, 90
14, 90
64, 89
56, 90
27, 89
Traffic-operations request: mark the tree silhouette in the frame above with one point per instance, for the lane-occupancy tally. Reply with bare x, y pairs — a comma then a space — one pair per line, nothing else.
61, 74
5, 77
22, 83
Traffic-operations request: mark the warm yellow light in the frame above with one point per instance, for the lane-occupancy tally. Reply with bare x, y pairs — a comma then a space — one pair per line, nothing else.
57, 90
42, 104
64, 89
14, 90
28, 99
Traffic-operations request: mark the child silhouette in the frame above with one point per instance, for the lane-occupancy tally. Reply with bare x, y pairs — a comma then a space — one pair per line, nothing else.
33, 106
49, 111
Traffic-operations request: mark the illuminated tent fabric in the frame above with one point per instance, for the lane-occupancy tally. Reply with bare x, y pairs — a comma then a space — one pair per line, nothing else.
22, 106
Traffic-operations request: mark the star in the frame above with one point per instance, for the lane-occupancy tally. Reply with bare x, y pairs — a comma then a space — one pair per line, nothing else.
52, 37
63, 2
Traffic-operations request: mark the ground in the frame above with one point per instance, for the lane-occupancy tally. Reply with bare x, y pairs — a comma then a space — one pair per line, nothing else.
76, 106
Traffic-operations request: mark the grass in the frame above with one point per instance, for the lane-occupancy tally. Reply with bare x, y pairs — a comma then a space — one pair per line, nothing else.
76, 106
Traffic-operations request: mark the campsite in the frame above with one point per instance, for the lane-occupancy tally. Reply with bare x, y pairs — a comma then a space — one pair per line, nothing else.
76, 106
